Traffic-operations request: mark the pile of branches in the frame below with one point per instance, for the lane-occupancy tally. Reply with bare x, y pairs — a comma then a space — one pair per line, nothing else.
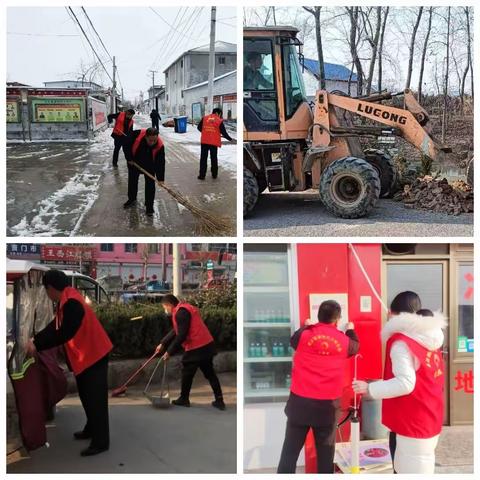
437, 195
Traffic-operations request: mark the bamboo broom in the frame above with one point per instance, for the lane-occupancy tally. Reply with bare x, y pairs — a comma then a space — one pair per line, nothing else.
207, 223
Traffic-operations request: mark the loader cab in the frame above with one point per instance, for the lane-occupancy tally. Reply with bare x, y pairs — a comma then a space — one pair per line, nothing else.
275, 102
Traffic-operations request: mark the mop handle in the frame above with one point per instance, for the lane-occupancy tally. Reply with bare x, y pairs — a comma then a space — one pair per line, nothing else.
151, 376
355, 370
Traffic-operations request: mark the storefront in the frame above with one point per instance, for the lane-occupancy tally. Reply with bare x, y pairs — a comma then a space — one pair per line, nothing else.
283, 283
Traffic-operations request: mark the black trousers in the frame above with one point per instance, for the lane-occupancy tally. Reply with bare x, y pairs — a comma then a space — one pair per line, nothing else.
294, 440
204, 150
189, 368
392, 443
93, 391
117, 145
155, 124
133, 175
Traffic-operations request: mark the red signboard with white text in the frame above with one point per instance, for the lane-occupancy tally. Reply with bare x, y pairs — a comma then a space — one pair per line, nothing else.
67, 254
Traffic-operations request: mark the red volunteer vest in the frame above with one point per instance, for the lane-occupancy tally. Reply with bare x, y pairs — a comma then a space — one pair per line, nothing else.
319, 363
139, 139
91, 342
419, 414
119, 123
211, 130
198, 334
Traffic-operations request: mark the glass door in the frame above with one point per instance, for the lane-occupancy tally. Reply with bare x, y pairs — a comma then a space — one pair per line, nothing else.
429, 279
267, 326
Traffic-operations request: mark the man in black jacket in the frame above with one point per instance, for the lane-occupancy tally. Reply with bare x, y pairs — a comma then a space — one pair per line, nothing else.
146, 149
155, 117
190, 332
122, 128
86, 356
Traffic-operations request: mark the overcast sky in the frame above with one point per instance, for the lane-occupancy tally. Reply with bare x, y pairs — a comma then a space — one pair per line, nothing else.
44, 44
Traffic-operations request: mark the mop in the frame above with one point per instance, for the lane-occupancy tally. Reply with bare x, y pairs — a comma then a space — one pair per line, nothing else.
355, 427
122, 389
355, 422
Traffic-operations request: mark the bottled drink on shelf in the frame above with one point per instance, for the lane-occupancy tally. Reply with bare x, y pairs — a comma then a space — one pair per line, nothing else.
288, 380
258, 350
281, 349
251, 350
275, 349
264, 349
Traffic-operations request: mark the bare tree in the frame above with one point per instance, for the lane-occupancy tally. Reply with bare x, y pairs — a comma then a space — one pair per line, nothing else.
412, 47
445, 85
373, 38
315, 11
424, 53
469, 58
380, 49
353, 13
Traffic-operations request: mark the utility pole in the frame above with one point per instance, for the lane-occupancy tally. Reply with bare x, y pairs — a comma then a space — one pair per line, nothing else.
211, 61
114, 89
177, 271
153, 72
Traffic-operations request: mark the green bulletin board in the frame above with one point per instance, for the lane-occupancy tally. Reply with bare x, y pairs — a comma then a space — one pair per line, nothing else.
58, 110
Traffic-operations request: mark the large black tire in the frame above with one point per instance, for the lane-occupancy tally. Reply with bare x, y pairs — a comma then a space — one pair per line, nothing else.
349, 187
470, 172
250, 191
383, 164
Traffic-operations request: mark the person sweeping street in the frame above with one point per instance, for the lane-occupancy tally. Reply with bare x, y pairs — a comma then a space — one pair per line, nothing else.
87, 346
146, 149
319, 367
412, 389
212, 128
122, 128
190, 332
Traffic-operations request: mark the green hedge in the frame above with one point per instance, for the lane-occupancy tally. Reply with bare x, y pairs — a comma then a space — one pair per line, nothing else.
138, 338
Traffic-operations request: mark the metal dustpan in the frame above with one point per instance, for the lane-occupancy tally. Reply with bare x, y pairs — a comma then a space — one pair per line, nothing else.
162, 400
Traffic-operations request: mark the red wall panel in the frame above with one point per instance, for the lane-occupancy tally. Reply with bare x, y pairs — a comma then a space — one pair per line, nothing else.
332, 268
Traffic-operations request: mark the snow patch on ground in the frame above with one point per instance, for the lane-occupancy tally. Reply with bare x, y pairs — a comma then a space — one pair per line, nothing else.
227, 154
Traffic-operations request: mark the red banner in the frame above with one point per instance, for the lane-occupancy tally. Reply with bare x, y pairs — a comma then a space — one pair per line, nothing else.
67, 253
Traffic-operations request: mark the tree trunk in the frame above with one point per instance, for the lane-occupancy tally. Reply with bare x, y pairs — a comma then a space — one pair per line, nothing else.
469, 58
374, 43
412, 48
424, 54
380, 50
353, 15
445, 91
315, 11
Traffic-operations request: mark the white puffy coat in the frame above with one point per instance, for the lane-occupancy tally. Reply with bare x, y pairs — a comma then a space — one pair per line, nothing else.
412, 455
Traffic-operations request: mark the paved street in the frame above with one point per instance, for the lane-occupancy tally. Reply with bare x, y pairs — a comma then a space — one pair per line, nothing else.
64, 189
199, 439
302, 214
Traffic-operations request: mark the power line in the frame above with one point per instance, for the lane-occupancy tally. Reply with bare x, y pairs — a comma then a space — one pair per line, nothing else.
44, 34
89, 42
171, 26
94, 29
101, 41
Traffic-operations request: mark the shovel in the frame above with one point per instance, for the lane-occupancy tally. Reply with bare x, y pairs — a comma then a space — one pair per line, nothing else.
162, 400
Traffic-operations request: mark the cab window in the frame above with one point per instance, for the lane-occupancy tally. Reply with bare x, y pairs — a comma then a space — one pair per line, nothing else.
87, 288
294, 87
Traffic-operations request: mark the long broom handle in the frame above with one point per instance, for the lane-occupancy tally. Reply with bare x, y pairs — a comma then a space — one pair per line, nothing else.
148, 174
140, 369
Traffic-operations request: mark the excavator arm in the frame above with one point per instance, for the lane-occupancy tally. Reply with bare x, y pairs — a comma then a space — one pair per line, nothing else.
410, 122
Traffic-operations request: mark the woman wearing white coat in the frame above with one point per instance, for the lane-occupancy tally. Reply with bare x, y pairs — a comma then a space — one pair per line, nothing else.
412, 388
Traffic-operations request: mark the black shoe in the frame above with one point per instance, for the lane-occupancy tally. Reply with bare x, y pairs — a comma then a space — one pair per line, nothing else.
181, 402
115, 165
214, 176
150, 212
81, 435
88, 452
220, 404
129, 203
201, 178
